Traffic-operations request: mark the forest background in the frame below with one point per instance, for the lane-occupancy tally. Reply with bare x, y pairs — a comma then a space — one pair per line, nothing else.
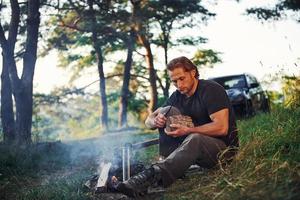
127, 44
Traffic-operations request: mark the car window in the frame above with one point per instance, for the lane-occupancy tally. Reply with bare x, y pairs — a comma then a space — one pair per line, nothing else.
251, 79
231, 81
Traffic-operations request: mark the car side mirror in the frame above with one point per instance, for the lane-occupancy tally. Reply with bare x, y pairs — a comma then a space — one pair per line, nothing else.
254, 85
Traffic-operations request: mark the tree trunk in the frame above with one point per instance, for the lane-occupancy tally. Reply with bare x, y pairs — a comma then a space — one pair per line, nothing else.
21, 88
24, 115
165, 42
23, 92
126, 79
8, 46
98, 50
7, 113
104, 113
152, 73
141, 35
166, 76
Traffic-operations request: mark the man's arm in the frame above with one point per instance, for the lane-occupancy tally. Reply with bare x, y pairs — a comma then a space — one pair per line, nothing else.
218, 126
156, 120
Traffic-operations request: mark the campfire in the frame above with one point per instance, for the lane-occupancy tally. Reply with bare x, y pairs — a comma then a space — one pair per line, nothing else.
120, 168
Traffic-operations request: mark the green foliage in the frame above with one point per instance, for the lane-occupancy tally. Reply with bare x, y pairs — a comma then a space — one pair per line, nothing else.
135, 107
291, 89
191, 41
68, 117
206, 57
263, 13
161, 100
68, 114
275, 97
168, 11
278, 11
81, 31
60, 38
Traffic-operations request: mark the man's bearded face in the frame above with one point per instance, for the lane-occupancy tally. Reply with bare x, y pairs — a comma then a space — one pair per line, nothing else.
183, 80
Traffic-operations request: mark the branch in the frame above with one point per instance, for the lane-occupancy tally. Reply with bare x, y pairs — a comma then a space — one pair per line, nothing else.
14, 24
121, 74
1, 5
107, 77
8, 54
57, 98
73, 26
32, 26
140, 53
160, 82
19, 54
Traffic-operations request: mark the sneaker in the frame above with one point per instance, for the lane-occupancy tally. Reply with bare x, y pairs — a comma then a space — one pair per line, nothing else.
138, 185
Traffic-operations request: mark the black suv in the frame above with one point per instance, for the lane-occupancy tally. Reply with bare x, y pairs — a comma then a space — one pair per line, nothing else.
245, 93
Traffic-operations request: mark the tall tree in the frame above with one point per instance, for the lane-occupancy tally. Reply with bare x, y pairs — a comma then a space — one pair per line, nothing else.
85, 24
167, 13
142, 30
7, 114
122, 122
19, 129
99, 55
123, 22
105, 26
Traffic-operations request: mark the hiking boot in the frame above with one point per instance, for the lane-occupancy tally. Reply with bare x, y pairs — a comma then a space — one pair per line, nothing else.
138, 185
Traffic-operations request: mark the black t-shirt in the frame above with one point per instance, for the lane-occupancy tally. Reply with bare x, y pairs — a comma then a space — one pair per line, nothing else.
208, 98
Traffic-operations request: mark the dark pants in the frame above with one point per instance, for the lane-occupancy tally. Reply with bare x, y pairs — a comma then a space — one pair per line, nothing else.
182, 152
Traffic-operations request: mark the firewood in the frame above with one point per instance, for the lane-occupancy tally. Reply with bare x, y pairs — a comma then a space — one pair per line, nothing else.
183, 120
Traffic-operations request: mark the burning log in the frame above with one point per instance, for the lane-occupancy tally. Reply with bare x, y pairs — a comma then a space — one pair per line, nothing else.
103, 177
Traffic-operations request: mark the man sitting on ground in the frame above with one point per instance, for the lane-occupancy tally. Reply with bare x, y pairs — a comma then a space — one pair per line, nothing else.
213, 128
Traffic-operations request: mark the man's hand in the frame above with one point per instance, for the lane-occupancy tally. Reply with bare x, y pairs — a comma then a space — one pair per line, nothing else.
180, 130
160, 120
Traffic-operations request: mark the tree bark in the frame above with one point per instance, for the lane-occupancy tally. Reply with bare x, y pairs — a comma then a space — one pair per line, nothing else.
8, 46
23, 93
152, 73
7, 113
122, 122
166, 76
104, 113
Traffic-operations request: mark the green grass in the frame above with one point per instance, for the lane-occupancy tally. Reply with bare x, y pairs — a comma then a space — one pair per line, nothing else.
266, 167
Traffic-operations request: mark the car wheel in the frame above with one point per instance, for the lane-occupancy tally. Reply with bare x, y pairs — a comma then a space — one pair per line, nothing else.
249, 111
266, 106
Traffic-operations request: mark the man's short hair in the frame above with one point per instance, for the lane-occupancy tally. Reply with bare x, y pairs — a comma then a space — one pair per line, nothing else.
184, 63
